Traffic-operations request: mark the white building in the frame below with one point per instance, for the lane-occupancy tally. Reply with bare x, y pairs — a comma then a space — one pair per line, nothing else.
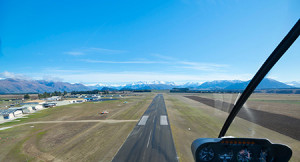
11, 113
54, 98
34, 106
61, 103
76, 100
37, 107
25, 110
28, 110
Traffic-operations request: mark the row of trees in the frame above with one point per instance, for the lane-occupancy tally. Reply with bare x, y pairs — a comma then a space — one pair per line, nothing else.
26, 96
106, 91
55, 93
90, 92
187, 90
46, 94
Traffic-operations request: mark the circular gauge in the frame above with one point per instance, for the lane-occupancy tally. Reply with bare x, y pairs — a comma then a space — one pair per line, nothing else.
263, 156
206, 154
244, 155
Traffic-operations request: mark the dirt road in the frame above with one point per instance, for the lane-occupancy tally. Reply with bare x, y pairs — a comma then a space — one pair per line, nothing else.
71, 121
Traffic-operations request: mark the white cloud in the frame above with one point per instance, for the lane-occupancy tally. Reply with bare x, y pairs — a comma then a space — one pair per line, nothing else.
74, 53
199, 66
120, 77
124, 62
123, 77
203, 66
104, 50
60, 70
177, 64
52, 78
164, 57
93, 50
7, 74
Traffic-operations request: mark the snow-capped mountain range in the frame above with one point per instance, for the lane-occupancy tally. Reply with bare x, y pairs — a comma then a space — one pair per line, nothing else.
39, 86
135, 85
211, 85
293, 83
118, 85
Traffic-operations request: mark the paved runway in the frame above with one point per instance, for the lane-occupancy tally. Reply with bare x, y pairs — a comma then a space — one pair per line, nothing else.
151, 139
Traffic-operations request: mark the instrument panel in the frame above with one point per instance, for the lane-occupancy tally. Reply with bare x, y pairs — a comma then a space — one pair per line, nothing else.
239, 149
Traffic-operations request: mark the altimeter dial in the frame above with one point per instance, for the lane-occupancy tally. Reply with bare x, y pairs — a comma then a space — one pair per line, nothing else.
244, 155
206, 154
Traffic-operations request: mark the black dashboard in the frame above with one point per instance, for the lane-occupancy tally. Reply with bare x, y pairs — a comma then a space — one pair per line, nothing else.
239, 149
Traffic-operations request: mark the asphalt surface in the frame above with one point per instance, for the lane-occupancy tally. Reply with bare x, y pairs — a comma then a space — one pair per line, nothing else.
283, 124
151, 139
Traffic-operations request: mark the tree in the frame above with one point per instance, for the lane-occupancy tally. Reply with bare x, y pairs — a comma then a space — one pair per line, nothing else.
46, 95
65, 93
26, 96
55, 93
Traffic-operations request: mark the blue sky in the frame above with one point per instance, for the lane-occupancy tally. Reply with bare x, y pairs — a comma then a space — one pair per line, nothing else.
127, 41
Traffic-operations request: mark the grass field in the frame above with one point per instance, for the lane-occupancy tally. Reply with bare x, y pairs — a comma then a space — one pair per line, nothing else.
205, 121
285, 104
279, 101
66, 140
77, 132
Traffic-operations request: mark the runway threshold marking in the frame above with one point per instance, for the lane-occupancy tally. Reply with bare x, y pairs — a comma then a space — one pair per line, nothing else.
143, 120
163, 120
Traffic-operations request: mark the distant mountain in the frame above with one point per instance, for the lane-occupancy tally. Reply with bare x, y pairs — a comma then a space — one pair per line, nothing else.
218, 84
40, 86
96, 86
265, 84
159, 85
108, 89
190, 85
141, 85
211, 85
294, 84
37, 86
99, 86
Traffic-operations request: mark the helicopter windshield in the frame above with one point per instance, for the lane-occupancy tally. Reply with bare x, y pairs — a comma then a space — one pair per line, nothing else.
271, 113
102, 80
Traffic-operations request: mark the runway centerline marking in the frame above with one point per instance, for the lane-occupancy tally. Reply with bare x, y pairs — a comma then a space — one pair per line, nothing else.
143, 120
149, 139
163, 120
